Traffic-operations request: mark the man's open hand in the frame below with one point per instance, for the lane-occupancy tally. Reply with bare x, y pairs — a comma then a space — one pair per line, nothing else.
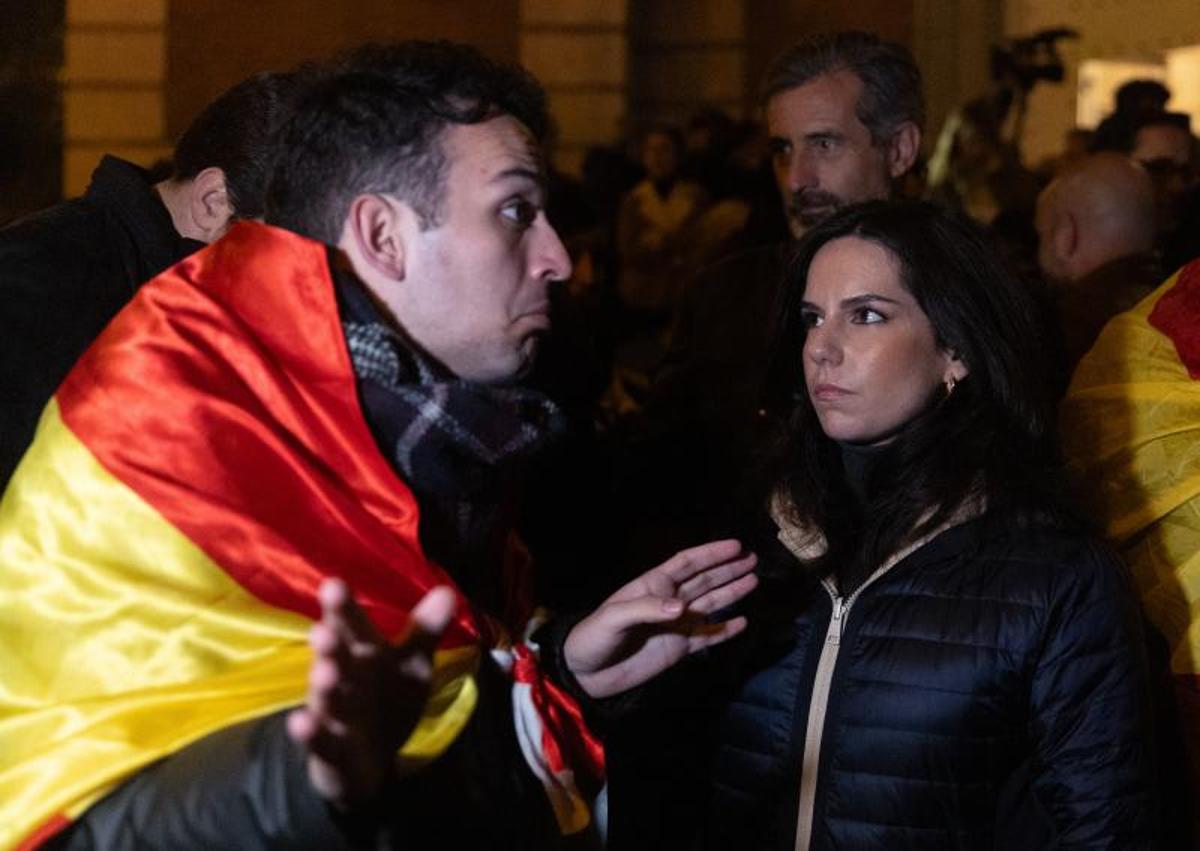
365, 695
660, 617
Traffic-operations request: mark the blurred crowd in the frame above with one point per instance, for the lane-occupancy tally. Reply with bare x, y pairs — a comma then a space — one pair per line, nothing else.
651, 211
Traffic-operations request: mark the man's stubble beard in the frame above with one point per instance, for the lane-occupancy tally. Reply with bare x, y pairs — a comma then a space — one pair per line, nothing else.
807, 209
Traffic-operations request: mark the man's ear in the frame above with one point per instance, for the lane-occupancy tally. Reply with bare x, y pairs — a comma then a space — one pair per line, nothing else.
1066, 236
209, 207
375, 230
903, 149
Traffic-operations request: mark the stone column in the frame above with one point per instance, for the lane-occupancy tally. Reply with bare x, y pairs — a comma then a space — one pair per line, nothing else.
688, 55
952, 42
579, 51
112, 85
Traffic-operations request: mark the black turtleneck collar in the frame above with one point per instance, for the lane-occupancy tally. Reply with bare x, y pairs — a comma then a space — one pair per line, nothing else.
858, 460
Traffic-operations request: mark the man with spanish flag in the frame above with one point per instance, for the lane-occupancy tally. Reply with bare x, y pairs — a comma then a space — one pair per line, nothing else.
1130, 424
258, 587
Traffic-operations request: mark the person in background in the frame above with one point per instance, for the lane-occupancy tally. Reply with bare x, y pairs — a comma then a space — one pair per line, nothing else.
1096, 246
1164, 145
1135, 102
654, 227
1129, 425
844, 113
66, 271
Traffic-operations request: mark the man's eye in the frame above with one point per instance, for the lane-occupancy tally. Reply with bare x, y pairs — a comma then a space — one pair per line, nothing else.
520, 212
824, 143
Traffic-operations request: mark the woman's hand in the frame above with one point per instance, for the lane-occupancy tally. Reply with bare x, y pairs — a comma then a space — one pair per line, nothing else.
659, 618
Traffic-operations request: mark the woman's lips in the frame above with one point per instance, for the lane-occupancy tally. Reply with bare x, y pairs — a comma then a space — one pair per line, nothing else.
829, 393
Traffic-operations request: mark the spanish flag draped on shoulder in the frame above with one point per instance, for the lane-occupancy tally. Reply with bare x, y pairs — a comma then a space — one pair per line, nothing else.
199, 473
1130, 426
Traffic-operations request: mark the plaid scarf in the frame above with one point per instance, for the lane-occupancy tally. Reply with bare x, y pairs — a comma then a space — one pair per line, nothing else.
458, 444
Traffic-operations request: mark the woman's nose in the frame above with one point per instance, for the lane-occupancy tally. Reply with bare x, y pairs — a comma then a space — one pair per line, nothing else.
822, 346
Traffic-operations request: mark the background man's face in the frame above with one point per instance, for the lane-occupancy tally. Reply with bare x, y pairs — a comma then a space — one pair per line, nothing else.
1166, 154
475, 290
1163, 142
660, 158
822, 153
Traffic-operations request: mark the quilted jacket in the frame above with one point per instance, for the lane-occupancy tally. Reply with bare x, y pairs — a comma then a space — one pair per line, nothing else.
987, 690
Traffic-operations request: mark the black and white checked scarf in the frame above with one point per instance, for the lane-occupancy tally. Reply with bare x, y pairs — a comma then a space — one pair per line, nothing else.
458, 444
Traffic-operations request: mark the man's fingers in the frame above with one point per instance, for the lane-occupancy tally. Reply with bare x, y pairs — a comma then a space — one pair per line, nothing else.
685, 564
726, 595
305, 728
712, 634
429, 619
620, 617
433, 612
715, 577
301, 726
340, 610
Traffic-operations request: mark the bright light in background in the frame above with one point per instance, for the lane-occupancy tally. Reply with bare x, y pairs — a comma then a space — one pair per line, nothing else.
1183, 79
1099, 80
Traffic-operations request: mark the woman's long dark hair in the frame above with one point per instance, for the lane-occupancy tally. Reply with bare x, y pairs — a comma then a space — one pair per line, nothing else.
993, 437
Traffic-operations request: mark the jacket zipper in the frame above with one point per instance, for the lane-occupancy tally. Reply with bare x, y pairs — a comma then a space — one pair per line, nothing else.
819, 702
816, 715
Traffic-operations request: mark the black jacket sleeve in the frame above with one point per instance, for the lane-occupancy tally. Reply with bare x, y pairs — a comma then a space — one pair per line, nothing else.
1090, 710
244, 787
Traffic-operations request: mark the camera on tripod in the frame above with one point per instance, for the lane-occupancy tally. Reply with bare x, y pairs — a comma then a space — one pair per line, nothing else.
1026, 60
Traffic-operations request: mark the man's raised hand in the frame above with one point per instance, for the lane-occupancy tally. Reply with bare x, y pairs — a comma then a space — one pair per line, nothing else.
659, 618
365, 695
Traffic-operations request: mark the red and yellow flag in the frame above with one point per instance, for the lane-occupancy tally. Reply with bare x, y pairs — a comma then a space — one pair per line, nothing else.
1131, 433
201, 470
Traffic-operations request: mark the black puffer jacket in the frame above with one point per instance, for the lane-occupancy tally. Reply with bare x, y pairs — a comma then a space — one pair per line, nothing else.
986, 691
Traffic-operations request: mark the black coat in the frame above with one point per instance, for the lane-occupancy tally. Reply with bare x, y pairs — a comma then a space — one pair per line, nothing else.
64, 273
989, 691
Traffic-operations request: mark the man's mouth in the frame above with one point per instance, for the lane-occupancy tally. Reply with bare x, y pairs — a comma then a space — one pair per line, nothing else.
812, 210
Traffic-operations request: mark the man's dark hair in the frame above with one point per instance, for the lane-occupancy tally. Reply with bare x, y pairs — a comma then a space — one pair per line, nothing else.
991, 438
891, 93
236, 133
668, 131
1178, 120
1142, 95
374, 123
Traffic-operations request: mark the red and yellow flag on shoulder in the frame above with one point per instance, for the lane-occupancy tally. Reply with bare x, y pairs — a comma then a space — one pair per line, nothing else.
1130, 426
201, 470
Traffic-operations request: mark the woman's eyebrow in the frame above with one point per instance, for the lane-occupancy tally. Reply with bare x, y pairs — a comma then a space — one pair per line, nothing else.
867, 298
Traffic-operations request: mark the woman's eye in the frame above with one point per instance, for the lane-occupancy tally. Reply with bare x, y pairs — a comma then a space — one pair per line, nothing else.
868, 316
809, 319
520, 212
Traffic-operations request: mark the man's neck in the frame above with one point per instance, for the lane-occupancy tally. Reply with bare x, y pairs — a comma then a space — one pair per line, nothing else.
175, 195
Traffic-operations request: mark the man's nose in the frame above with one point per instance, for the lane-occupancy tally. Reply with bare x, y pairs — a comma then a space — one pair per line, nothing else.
800, 174
551, 260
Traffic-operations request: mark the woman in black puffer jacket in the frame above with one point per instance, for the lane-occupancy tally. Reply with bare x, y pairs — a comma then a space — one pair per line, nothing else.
939, 657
